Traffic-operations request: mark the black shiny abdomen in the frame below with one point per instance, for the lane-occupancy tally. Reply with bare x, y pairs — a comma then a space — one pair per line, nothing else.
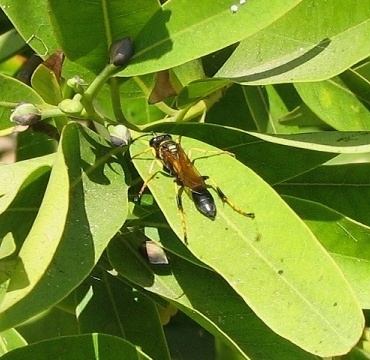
204, 202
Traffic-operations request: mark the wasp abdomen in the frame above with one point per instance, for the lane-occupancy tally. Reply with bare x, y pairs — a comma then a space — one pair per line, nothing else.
204, 202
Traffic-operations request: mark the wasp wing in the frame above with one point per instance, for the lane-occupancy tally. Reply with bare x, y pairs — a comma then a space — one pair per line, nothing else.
181, 166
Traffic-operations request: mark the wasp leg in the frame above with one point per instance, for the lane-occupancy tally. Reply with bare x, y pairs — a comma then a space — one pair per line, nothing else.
179, 191
142, 152
208, 153
226, 200
146, 181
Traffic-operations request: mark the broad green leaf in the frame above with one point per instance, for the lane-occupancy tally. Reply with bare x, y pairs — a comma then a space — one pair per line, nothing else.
357, 82
52, 323
134, 94
205, 297
363, 69
105, 304
288, 155
198, 90
10, 340
20, 174
85, 31
84, 205
345, 239
46, 84
13, 92
81, 347
340, 142
7, 246
16, 222
305, 119
334, 104
10, 43
225, 113
33, 144
313, 41
180, 31
32, 22
344, 188
189, 71
267, 107
272, 275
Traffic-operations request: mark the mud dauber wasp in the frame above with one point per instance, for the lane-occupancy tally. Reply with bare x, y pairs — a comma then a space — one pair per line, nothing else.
177, 164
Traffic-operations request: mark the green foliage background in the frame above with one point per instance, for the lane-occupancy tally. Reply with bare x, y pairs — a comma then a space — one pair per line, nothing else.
284, 86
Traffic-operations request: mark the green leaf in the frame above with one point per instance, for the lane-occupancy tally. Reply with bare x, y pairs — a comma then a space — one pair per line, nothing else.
84, 205
344, 188
345, 142
204, 296
82, 347
357, 82
10, 340
176, 37
345, 239
44, 81
313, 41
269, 260
134, 94
197, 90
334, 104
105, 304
32, 22
10, 43
225, 113
13, 92
267, 107
20, 174
289, 155
33, 144
17, 220
85, 31
7, 246
53, 323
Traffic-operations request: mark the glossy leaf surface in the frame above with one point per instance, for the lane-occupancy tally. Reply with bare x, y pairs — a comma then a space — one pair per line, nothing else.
249, 254
15, 175
174, 37
344, 188
311, 42
82, 347
205, 297
69, 233
345, 239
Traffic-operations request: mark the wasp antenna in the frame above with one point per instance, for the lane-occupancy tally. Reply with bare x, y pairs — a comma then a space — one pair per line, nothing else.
139, 137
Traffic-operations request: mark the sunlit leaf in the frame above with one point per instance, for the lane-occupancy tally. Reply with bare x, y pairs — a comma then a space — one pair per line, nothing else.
313, 41
180, 32
268, 261
10, 340
14, 176
345, 239
205, 297
69, 233
335, 105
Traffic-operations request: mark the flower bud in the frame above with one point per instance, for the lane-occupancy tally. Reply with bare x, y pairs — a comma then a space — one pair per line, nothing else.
119, 135
120, 51
25, 114
76, 84
71, 107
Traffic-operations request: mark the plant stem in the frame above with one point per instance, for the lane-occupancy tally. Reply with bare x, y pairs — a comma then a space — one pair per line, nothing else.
117, 107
